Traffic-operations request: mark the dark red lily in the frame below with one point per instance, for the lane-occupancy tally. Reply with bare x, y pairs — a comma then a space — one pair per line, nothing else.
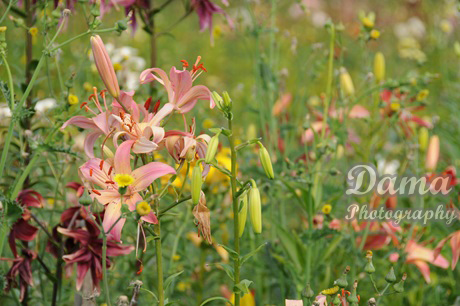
22, 266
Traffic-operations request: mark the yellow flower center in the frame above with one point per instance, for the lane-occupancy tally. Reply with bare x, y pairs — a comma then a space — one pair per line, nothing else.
143, 208
117, 66
327, 208
73, 99
367, 22
123, 180
423, 94
33, 31
375, 34
395, 106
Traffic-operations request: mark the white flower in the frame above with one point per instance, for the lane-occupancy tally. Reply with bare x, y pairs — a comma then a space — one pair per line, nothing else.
413, 27
385, 167
44, 105
5, 112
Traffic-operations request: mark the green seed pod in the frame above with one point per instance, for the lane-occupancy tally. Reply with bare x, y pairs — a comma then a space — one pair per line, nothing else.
97, 207
212, 149
242, 213
266, 162
307, 292
85, 199
121, 25
197, 182
353, 298
369, 268
399, 287
391, 277
255, 210
336, 300
342, 280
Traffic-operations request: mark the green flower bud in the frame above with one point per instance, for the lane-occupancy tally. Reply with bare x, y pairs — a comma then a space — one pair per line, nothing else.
218, 100
122, 190
197, 182
95, 9
212, 149
121, 25
369, 268
342, 280
391, 277
336, 300
97, 207
266, 162
399, 287
307, 292
353, 298
227, 100
242, 213
255, 209
85, 199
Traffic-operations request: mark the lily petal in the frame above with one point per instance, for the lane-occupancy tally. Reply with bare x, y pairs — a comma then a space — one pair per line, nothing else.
146, 174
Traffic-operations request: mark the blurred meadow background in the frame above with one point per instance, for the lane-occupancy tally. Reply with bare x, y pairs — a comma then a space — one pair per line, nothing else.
284, 64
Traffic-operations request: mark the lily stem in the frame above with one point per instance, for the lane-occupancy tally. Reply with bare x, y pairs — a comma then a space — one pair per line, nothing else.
236, 235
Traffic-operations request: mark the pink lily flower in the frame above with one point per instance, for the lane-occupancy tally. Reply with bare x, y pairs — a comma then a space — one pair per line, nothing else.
22, 266
381, 234
454, 239
420, 256
185, 145
182, 96
110, 177
101, 124
88, 256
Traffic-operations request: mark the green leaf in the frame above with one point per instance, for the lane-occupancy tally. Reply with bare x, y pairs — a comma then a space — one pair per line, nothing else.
170, 278
215, 130
291, 248
230, 251
13, 211
228, 269
216, 298
244, 258
243, 286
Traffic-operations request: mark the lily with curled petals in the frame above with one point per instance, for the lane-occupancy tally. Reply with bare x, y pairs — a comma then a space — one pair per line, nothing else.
205, 9
182, 96
88, 257
185, 145
110, 177
420, 256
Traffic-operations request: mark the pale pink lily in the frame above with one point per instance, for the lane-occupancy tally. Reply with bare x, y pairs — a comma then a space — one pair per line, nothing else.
101, 124
185, 145
420, 256
454, 245
182, 96
98, 172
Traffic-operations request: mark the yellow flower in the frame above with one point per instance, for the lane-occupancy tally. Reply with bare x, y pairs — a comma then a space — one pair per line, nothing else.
183, 286
246, 300
217, 31
446, 26
3, 29
375, 34
117, 66
330, 291
176, 257
33, 31
72, 99
143, 208
51, 201
327, 208
423, 94
395, 106
87, 86
123, 180
208, 123
367, 22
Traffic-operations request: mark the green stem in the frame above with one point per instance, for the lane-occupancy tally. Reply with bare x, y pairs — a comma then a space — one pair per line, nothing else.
7, 10
104, 268
373, 283
236, 235
159, 255
162, 212
383, 291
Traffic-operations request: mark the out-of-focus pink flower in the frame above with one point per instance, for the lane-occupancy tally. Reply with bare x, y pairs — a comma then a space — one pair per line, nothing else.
89, 256
205, 9
420, 256
432, 153
437, 181
293, 302
104, 175
182, 145
104, 66
22, 266
182, 96
380, 234
454, 246
282, 104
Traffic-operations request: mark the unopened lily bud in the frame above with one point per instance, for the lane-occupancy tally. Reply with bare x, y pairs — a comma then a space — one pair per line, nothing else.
143, 208
212, 149
379, 67
255, 209
227, 100
197, 182
390, 277
346, 83
104, 66
423, 138
399, 287
266, 162
85, 199
242, 214
218, 100
3, 37
307, 292
342, 280
432, 154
